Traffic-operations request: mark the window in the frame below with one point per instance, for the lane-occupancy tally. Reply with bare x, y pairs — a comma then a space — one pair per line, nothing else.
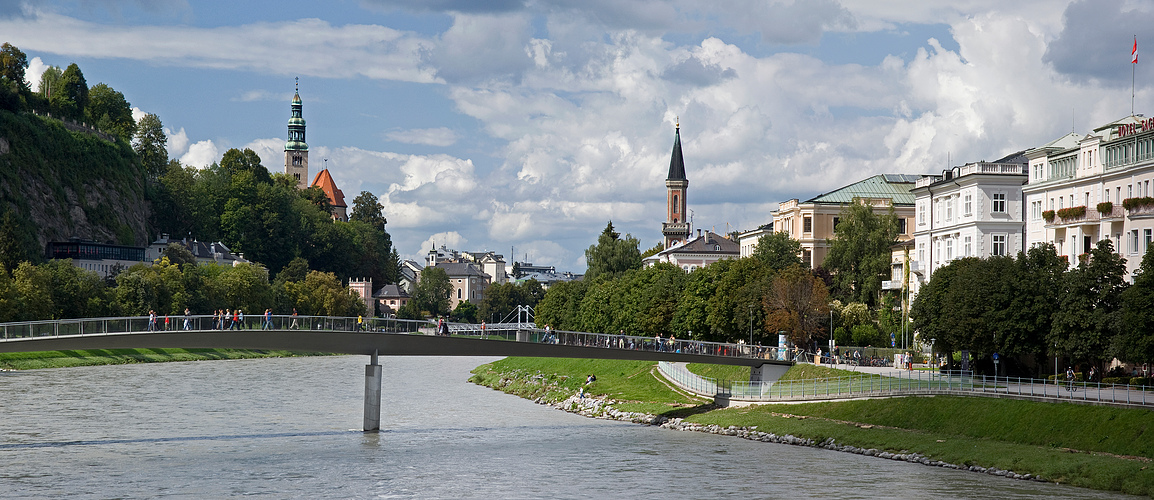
1000, 203
1133, 243
967, 207
1129, 190
921, 252
836, 221
901, 226
458, 293
1051, 203
999, 245
966, 249
938, 249
807, 224
675, 205
922, 214
1146, 237
949, 208
949, 249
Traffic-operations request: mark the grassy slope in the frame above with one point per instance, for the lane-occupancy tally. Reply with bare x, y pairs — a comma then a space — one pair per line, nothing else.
62, 359
1090, 446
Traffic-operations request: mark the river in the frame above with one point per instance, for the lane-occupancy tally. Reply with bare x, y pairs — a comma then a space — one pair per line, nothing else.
289, 428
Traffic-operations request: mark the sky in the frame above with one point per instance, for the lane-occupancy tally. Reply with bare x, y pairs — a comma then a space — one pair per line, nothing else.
524, 126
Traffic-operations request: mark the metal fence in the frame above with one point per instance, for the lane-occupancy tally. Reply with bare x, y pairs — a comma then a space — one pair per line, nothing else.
906, 382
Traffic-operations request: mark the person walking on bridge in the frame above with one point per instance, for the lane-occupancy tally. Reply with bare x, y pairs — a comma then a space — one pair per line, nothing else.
294, 325
151, 320
187, 319
267, 320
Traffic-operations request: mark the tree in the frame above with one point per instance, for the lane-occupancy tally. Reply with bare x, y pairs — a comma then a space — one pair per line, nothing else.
367, 208
798, 304
1086, 320
49, 84
465, 312
859, 254
656, 249
235, 161
1136, 340
431, 294
13, 64
108, 109
150, 145
561, 305
612, 254
72, 98
778, 251
178, 254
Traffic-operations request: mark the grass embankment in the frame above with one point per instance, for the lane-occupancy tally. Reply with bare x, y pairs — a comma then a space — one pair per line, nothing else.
1089, 446
64, 359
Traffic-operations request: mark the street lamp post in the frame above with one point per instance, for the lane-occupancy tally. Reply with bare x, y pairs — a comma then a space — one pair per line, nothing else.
751, 324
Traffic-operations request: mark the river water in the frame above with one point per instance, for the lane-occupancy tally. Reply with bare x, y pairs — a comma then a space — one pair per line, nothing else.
289, 428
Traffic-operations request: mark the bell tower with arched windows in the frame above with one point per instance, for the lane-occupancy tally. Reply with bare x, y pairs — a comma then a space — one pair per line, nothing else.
676, 228
296, 152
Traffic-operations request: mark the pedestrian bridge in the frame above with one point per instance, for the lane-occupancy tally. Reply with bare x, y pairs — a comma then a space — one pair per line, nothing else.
375, 337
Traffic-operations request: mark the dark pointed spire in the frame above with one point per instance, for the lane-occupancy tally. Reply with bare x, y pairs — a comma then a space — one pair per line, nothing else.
676, 162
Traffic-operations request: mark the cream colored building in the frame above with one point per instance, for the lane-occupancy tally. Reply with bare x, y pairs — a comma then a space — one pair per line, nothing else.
811, 222
1080, 186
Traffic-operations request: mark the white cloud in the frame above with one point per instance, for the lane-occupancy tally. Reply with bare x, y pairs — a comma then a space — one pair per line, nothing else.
32, 74
451, 239
262, 95
177, 144
318, 48
201, 154
440, 136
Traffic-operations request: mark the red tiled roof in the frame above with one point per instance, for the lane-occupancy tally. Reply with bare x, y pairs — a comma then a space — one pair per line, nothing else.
325, 181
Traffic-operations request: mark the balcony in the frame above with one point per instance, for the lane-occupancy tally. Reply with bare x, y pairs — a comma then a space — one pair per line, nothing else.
1074, 216
917, 267
892, 285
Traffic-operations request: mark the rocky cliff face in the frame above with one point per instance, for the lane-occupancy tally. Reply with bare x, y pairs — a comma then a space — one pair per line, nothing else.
65, 184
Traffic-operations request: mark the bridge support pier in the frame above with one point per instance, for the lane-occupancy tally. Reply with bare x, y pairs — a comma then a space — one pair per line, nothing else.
767, 372
373, 377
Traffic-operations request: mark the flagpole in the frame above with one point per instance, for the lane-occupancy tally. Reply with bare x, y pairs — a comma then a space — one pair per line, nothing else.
1133, 70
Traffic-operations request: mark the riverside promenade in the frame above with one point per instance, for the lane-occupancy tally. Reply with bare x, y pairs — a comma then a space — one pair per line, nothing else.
883, 382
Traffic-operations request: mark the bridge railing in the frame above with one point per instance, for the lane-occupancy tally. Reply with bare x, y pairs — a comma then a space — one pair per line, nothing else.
508, 331
909, 383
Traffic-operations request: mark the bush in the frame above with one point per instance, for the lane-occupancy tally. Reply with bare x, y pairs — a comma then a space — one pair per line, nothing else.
866, 334
1048, 215
1135, 203
1140, 381
1071, 212
1105, 208
1062, 377
1116, 380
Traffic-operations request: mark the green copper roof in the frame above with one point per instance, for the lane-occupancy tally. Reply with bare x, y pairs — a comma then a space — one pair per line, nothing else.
897, 187
295, 146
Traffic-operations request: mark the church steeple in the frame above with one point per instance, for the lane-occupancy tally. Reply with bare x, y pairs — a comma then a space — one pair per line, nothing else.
676, 229
296, 151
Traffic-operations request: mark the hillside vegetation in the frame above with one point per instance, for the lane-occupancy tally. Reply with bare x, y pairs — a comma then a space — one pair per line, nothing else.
62, 183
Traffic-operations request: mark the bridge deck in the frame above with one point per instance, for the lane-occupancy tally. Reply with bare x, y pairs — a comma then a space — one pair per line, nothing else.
363, 342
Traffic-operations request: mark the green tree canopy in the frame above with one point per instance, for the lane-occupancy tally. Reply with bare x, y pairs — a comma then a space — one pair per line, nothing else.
13, 63
71, 100
1086, 319
111, 112
612, 255
367, 208
150, 145
431, 293
1135, 342
778, 251
859, 254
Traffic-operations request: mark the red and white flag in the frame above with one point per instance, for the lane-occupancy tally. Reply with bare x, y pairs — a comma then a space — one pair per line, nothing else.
1134, 52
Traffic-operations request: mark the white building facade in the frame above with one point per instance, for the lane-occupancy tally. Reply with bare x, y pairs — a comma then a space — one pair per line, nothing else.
1083, 189
975, 210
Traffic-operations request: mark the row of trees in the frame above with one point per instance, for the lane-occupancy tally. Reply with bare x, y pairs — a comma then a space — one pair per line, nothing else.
751, 298
63, 93
1034, 305
57, 289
